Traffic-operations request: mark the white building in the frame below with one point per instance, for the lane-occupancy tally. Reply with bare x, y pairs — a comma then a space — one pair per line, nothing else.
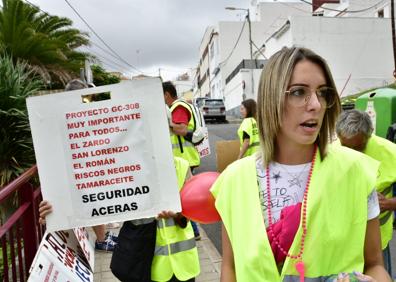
354, 36
356, 8
357, 45
202, 80
184, 84
225, 51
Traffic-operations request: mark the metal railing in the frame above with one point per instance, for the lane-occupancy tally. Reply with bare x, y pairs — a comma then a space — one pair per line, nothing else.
21, 233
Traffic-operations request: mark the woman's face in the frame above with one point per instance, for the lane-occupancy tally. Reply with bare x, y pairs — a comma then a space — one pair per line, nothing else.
301, 124
243, 111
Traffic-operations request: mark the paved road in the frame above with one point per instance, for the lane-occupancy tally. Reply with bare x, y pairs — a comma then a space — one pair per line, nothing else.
219, 132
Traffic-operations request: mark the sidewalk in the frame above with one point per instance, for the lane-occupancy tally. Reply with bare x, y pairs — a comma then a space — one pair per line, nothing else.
209, 257
234, 120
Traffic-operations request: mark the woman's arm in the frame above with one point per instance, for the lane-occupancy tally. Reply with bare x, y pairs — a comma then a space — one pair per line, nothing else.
245, 146
227, 265
373, 262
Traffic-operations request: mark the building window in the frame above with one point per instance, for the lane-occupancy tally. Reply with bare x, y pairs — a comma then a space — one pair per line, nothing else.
318, 14
380, 13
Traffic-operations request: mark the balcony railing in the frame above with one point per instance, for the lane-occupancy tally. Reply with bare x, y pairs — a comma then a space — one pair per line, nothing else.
21, 233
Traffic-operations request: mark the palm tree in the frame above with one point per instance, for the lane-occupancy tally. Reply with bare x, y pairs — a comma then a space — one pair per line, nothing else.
47, 43
16, 148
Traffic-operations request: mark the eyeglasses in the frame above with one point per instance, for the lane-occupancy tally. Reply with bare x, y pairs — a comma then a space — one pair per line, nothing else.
299, 96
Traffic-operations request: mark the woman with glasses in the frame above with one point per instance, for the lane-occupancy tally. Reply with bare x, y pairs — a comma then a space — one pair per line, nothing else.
300, 210
248, 132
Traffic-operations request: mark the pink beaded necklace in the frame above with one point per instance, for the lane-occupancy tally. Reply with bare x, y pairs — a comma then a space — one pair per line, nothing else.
300, 267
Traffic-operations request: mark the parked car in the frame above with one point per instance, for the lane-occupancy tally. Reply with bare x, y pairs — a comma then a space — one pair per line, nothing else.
198, 102
214, 109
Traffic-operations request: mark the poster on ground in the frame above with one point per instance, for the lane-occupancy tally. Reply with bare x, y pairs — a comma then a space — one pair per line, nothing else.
60, 257
104, 161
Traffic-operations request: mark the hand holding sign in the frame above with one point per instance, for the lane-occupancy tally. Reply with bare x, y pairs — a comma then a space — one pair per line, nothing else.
197, 201
45, 208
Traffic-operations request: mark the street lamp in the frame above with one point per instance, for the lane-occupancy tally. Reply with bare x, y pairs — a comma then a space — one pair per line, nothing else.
250, 37
249, 25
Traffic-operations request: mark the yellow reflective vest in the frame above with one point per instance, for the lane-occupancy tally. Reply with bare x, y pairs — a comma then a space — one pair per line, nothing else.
180, 146
384, 151
175, 248
336, 218
249, 126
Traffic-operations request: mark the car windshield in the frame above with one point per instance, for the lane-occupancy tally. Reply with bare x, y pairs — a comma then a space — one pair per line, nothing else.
214, 103
200, 102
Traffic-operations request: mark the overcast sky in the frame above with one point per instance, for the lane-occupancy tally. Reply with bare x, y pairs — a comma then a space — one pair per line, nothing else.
147, 34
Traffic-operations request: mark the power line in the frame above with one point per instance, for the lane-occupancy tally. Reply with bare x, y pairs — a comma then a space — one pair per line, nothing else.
102, 57
101, 39
115, 69
293, 7
177, 71
93, 43
107, 52
236, 43
347, 11
259, 50
118, 60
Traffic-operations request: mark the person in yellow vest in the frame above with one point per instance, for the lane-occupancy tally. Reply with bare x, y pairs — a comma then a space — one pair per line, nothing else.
248, 132
301, 210
176, 255
355, 130
182, 123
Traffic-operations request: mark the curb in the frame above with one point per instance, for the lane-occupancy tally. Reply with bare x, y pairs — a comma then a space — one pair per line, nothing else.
234, 121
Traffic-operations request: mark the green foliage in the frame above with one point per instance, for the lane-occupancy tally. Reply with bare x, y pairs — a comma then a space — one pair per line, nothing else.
47, 43
16, 148
8, 250
101, 77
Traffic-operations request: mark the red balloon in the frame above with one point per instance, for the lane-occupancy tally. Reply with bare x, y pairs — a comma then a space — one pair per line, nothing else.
198, 204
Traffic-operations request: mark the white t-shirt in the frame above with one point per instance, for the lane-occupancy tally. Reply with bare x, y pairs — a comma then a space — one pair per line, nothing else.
287, 183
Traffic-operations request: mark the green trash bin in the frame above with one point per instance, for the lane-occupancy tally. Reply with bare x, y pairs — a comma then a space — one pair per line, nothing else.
380, 104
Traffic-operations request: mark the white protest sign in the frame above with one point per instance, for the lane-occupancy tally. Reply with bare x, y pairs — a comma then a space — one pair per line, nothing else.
60, 258
85, 246
104, 161
204, 148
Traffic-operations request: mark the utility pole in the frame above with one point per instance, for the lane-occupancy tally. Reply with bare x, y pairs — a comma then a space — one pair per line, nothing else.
250, 45
251, 50
250, 34
393, 36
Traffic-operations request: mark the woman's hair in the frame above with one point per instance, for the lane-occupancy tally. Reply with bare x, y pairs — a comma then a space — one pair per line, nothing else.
274, 82
250, 106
